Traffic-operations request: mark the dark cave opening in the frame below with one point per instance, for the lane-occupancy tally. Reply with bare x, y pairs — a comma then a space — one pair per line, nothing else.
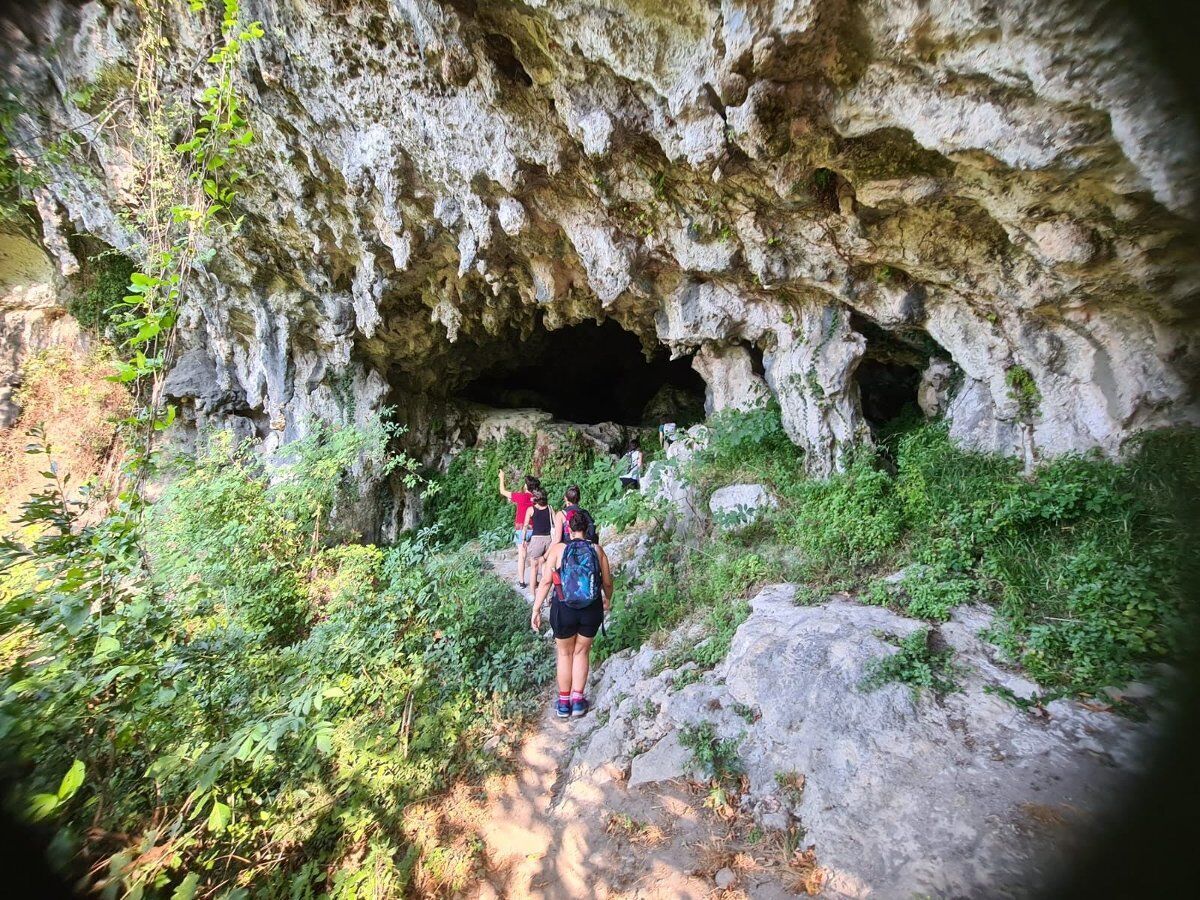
503, 53
889, 374
887, 389
592, 373
757, 365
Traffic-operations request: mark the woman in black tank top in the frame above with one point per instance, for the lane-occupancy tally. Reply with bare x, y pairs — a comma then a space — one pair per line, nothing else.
538, 522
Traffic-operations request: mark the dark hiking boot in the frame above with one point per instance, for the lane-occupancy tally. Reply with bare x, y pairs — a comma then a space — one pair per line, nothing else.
563, 708
579, 708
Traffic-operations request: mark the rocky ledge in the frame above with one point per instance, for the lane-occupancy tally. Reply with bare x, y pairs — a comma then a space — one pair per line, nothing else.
902, 794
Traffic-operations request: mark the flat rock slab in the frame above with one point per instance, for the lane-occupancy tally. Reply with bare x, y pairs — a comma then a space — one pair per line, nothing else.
901, 794
664, 761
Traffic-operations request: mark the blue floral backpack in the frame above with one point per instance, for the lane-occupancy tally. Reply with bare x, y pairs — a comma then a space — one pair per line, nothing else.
580, 575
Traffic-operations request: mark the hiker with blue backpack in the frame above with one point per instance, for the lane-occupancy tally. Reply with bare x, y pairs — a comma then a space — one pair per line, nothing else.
578, 574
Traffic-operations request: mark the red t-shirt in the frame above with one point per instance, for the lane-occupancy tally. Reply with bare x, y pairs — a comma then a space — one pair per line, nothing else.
524, 500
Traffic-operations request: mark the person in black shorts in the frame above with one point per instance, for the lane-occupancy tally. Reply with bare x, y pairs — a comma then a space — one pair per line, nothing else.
574, 629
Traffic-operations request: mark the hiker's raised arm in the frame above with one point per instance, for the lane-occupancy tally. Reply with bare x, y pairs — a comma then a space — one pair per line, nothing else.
504, 492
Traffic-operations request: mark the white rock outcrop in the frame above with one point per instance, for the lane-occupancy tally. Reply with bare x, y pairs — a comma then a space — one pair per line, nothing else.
988, 185
956, 796
731, 381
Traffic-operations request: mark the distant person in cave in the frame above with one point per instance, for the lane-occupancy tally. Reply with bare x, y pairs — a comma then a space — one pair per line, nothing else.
667, 434
631, 466
539, 520
562, 519
523, 500
579, 576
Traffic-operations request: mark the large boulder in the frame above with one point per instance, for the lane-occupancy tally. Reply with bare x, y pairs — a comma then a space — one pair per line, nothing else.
902, 794
738, 505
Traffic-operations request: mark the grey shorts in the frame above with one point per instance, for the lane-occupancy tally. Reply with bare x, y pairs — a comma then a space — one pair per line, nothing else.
538, 545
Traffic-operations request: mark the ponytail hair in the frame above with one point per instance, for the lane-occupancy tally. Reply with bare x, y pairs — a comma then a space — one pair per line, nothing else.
580, 522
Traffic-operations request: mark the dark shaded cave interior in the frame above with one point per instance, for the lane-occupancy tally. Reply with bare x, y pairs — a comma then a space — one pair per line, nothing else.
589, 373
889, 374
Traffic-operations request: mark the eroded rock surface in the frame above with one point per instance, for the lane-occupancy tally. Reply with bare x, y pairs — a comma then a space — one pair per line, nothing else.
960, 795
736, 505
996, 186
31, 318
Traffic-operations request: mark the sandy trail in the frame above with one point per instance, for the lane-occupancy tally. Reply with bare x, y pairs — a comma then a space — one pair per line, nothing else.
551, 833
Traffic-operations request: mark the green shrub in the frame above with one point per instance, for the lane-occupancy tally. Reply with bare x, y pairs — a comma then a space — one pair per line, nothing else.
745, 446
1085, 560
245, 540
846, 524
107, 281
264, 687
915, 664
713, 758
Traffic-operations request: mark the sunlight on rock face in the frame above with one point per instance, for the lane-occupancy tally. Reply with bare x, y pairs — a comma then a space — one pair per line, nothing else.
433, 197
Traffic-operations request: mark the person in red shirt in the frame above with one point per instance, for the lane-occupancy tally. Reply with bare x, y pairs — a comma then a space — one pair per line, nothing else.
523, 501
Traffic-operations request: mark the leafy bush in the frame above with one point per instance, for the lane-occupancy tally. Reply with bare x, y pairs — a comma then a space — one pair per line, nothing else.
241, 537
659, 602
260, 708
107, 281
845, 524
746, 445
1084, 561
916, 664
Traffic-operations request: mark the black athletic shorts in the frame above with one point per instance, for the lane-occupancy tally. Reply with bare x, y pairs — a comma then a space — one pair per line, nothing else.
566, 622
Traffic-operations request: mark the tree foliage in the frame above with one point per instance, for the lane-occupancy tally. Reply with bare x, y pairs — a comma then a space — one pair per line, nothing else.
256, 706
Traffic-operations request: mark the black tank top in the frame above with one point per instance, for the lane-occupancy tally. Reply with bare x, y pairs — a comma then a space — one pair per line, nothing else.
541, 521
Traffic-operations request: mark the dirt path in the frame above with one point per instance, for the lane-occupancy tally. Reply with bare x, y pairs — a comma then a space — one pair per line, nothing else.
552, 833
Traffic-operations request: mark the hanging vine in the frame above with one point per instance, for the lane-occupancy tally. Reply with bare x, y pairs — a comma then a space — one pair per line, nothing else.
189, 188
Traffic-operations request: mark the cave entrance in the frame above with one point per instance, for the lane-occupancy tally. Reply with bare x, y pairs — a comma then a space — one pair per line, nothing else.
889, 374
592, 373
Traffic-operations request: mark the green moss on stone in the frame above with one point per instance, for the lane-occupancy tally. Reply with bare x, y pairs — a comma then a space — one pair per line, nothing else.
890, 153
